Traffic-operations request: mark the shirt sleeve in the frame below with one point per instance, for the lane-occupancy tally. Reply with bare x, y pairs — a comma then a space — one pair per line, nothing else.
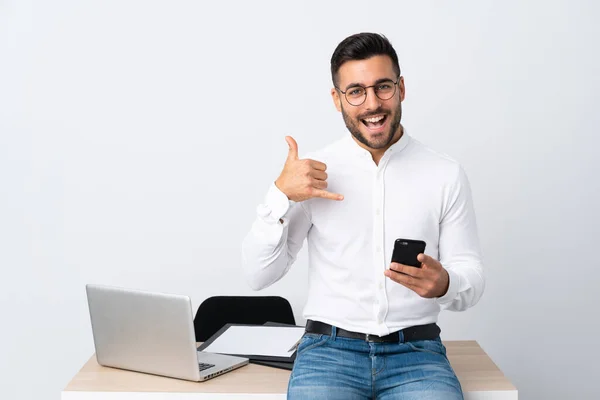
459, 248
271, 246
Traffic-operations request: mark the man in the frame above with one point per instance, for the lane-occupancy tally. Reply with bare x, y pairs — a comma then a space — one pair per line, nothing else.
371, 324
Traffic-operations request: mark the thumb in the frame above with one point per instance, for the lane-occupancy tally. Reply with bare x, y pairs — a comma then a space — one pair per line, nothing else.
428, 262
293, 153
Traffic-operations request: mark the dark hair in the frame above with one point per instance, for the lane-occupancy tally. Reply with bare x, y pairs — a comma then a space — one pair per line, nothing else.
362, 46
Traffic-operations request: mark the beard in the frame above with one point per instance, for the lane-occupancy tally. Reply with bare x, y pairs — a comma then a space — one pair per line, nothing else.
353, 125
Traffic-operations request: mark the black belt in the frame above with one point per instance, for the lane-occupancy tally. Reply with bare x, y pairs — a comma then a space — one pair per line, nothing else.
413, 333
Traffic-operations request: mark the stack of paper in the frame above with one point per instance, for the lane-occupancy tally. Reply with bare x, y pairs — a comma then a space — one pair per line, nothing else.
269, 344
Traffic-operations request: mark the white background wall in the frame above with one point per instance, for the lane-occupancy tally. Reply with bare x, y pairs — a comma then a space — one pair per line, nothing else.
137, 138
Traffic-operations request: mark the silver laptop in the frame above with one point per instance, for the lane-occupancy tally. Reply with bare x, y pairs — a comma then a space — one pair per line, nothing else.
152, 333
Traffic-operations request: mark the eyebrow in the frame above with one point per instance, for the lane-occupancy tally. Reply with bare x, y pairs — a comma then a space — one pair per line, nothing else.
377, 82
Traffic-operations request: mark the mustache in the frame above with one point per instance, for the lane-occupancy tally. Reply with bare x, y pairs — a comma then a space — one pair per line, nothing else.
379, 111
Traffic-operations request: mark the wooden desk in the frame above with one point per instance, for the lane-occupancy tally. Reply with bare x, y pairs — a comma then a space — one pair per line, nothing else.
479, 376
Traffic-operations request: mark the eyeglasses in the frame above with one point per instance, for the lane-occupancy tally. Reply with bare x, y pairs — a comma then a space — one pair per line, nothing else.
384, 90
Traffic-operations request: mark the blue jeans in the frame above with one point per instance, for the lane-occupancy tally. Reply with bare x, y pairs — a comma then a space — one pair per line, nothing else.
337, 368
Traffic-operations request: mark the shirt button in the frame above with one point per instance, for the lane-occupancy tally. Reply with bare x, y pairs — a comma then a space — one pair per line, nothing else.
378, 249
381, 285
377, 211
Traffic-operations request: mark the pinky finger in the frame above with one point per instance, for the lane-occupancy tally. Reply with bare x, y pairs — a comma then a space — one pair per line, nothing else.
328, 195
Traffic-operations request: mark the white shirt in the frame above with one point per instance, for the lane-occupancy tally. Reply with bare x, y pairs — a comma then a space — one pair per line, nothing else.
414, 193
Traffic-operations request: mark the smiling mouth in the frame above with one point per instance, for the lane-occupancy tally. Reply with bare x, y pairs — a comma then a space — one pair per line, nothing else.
374, 123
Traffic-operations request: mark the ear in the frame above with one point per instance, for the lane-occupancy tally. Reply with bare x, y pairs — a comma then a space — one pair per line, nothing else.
336, 99
402, 88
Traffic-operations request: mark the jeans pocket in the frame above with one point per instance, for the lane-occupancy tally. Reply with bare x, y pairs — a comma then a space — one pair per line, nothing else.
310, 341
431, 346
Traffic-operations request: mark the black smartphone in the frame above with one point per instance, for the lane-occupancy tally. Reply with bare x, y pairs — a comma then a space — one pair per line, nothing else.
407, 250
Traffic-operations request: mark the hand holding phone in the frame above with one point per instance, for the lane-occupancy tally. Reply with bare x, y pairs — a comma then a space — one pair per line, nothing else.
432, 281
407, 250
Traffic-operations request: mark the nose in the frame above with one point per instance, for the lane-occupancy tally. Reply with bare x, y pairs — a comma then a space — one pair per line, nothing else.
372, 102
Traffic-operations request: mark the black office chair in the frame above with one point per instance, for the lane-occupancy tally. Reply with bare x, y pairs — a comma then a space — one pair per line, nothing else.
217, 311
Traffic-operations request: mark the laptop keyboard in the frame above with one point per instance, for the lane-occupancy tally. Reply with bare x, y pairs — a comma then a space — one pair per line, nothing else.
204, 366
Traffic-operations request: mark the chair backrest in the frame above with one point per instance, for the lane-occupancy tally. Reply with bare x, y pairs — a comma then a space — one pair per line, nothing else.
217, 311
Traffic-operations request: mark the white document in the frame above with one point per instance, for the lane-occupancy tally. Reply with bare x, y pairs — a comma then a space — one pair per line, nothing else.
257, 340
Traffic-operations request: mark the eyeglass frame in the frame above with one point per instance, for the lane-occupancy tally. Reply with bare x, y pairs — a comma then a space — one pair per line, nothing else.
374, 90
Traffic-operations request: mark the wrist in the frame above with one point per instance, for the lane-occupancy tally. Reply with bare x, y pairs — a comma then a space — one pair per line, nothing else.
445, 285
279, 186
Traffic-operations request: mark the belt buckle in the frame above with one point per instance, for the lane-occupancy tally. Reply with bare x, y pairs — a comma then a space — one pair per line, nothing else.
376, 339
371, 338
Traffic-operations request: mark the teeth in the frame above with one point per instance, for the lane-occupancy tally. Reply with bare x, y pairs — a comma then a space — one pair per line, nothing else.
374, 119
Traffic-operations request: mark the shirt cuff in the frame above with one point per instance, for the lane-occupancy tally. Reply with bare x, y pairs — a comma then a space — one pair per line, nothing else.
453, 286
276, 205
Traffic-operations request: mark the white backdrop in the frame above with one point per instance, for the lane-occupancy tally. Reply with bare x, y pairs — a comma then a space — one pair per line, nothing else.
137, 138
